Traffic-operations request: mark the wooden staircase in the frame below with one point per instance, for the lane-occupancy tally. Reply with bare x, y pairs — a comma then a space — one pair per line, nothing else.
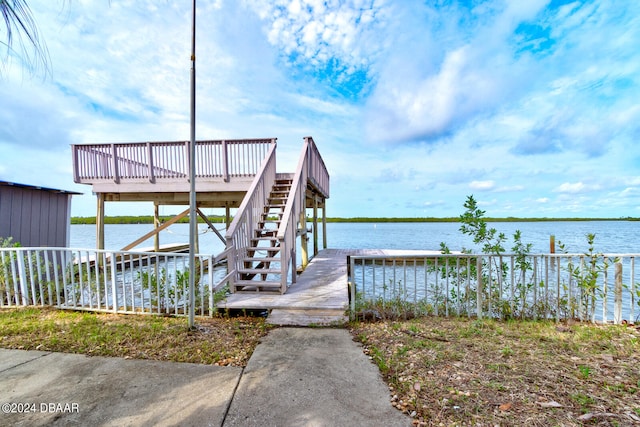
261, 269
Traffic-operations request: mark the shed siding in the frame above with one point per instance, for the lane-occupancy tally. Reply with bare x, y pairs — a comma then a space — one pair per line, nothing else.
34, 217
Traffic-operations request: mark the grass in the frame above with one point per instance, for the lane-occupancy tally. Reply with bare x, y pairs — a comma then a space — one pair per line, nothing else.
215, 341
439, 371
485, 372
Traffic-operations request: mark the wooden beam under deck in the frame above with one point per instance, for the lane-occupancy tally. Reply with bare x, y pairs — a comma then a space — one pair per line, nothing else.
205, 200
211, 185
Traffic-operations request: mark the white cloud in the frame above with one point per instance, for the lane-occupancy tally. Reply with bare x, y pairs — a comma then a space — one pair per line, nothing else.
571, 188
521, 99
312, 33
482, 185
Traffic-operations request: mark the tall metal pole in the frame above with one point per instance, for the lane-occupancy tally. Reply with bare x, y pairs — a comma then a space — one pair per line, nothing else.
193, 224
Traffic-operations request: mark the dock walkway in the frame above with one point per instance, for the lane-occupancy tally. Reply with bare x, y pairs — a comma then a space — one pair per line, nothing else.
319, 297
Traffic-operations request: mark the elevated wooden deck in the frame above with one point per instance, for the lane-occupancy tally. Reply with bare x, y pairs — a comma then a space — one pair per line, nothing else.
271, 206
159, 171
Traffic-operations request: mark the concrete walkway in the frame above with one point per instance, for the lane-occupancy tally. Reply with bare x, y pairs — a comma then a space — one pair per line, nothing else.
296, 377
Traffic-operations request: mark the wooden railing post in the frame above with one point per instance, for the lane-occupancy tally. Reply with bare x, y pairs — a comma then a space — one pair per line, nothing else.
187, 166
225, 161
114, 163
315, 224
76, 164
324, 224
303, 240
152, 177
100, 221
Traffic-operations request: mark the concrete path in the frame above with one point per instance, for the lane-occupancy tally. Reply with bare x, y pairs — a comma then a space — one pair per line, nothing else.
296, 377
312, 377
74, 390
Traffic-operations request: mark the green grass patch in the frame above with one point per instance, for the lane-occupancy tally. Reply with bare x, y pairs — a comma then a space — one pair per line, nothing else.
221, 340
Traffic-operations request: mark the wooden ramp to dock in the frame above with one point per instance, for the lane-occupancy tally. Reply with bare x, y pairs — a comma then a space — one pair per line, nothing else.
320, 295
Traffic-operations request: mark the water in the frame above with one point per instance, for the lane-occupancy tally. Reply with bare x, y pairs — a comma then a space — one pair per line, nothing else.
611, 236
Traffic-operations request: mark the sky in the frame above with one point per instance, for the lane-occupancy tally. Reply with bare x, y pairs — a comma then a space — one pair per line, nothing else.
532, 107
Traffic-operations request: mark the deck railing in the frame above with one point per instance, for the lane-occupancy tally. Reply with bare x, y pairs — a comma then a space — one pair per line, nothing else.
109, 281
317, 173
151, 161
245, 221
311, 168
543, 286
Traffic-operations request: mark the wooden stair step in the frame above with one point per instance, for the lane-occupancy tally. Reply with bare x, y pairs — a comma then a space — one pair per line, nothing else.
264, 248
258, 284
265, 239
259, 271
266, 230
261, 259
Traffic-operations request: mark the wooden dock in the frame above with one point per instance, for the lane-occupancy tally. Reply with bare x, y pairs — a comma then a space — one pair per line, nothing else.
319, 297
131, 259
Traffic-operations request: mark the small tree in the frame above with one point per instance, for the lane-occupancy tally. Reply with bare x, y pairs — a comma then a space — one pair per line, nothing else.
495, 271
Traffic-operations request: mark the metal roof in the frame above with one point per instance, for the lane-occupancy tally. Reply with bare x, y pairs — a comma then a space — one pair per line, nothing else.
36, 187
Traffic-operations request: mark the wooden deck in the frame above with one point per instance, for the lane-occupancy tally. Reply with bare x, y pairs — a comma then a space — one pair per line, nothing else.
229, 174
319, 297
127, 260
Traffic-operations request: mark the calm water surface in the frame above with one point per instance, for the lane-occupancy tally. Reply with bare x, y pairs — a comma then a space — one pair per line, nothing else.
611, 236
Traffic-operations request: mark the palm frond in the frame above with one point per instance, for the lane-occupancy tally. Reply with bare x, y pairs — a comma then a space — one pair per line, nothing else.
20, 24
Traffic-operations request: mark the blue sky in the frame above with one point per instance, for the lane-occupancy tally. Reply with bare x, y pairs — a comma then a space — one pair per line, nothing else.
531, 106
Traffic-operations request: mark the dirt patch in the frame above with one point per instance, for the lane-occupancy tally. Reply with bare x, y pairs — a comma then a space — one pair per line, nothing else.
484, 372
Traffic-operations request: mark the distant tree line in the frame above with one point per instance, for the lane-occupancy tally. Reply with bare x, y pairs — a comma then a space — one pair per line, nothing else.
144, 219
148, 219
457, 219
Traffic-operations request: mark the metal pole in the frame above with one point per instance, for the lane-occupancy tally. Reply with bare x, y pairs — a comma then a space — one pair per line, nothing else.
193, 224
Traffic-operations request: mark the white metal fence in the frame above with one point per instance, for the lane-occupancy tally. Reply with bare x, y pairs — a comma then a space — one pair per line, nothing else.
550, 286
109, 281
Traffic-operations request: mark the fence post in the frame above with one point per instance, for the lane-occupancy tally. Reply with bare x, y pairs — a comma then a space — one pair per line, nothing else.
22, 278
617, 310
479, 289
352, 286
114, 291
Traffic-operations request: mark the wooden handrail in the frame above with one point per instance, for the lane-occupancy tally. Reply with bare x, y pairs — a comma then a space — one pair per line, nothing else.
271, 156
157, 160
